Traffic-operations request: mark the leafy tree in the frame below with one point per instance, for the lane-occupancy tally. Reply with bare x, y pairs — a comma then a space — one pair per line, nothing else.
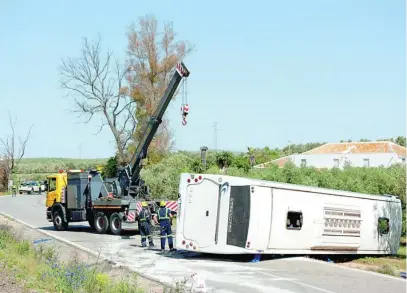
152, 56
401, 140
241, 161
224, 159
300, 148
110, 169
197, 166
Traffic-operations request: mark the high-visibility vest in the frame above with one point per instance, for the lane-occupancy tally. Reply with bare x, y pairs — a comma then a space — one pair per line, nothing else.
165, 216
143, 215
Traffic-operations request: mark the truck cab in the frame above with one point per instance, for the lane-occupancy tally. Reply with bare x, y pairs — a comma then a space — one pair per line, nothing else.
55, 187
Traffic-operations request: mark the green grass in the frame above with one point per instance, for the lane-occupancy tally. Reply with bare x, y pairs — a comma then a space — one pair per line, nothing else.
390, 265
39, 269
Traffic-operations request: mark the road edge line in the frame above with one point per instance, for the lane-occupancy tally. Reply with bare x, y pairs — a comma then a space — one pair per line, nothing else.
354, 269
88, 251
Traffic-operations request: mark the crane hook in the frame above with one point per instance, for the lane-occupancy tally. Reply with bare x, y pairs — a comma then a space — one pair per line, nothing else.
184, 113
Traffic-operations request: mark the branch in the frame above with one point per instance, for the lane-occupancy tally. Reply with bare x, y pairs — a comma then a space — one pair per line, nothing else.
23, 145
101, 127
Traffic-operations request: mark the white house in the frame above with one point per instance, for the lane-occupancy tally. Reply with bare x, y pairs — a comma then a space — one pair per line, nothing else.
357, 154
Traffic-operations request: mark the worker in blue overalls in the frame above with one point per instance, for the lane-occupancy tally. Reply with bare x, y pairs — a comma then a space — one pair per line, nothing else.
144, 221
164, 216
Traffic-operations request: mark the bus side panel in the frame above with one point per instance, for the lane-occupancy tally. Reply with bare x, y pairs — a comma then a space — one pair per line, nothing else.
260, 219
388, 241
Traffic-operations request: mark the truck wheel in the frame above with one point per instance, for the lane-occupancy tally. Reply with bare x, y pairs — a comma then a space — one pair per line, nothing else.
101, 223
115, 224
58, 220
91, 218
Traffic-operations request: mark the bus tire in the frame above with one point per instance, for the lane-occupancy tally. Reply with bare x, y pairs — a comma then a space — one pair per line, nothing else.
58, 221
101, 223
115, 224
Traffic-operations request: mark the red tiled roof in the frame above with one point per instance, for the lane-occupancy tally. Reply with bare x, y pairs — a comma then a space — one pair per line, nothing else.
347, 147
359, 147
399, 150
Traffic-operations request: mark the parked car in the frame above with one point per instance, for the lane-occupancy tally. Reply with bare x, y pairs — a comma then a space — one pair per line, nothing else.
30, 187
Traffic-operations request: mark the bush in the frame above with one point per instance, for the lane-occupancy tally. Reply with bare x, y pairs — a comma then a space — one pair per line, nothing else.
163, 178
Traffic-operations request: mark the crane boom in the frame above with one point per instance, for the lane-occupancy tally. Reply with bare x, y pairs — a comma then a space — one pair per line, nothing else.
130, 176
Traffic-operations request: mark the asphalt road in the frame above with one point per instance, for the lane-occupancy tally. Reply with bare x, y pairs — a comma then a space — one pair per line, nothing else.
289, 275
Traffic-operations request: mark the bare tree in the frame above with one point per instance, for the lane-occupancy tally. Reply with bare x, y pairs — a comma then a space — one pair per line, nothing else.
13, 151
152, 57
98, 85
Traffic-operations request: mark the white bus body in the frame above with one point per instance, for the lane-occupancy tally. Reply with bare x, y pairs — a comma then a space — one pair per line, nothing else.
232, 215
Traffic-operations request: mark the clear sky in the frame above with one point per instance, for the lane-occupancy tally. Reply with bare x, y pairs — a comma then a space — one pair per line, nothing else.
268, 72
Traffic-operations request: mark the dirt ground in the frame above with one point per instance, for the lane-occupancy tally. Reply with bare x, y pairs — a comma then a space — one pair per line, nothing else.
8, 284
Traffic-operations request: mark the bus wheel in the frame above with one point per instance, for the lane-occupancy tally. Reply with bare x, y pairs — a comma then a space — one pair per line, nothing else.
101, 223
58, 220
115, 224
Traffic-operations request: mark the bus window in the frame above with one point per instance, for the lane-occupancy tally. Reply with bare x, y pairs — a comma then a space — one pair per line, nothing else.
383, 226
239, 216
294, 220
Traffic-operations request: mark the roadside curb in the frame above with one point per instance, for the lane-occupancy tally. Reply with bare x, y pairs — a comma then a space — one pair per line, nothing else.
91, 252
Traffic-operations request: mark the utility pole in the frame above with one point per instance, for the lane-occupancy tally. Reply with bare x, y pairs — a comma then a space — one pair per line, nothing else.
215, 136
203, 155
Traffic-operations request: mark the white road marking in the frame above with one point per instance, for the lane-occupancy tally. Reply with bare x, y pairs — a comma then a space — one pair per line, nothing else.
297, 282
353, 269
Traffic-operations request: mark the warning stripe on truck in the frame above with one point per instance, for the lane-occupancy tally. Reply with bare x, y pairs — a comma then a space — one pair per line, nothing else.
131, 216
172, 205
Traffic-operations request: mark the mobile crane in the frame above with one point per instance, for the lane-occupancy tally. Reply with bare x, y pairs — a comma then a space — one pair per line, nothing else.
110, 204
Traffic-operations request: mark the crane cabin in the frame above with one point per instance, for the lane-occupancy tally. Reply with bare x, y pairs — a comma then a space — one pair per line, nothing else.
244, 216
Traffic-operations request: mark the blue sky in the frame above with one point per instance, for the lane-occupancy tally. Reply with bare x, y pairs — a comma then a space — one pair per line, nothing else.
267, 72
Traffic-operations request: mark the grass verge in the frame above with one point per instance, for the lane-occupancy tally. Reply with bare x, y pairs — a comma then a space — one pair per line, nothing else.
39, 268
389, 265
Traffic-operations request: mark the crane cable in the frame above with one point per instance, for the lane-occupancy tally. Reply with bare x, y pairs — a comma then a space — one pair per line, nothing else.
184, 105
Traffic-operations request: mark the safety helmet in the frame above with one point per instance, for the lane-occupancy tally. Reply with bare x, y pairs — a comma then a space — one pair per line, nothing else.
162, 204
144, 204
